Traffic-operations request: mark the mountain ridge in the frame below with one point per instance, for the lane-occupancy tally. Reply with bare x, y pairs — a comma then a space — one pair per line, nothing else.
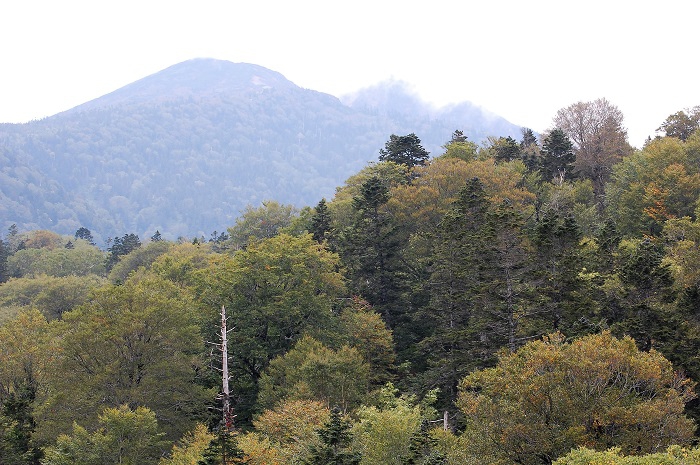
185, 150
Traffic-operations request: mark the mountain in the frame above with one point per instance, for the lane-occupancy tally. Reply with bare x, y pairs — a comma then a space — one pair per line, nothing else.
185, 150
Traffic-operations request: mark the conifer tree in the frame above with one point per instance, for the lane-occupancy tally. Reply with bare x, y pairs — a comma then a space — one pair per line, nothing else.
335, 443
372, 252
321, 221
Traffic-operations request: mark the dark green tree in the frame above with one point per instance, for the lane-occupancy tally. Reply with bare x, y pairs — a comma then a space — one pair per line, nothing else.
335, 443
156, 237
121, 246
4, 255
404, 150
371, 251
320, 221
563, 296
85, 234
648, 294
17, 425
458, 136
506, 149
557, 156
223, 450
529, 149
423, 449
457, 275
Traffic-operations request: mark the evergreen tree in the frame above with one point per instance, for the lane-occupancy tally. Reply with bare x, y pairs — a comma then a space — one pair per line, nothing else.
85, 234
529, 150
17, 426
404, 150
4, 255
557, 156
423, 449
372, 250
506, 149
223, 450
457, 274
335, 439
320, 221
121, 246
156, 237
458, 136
561, 291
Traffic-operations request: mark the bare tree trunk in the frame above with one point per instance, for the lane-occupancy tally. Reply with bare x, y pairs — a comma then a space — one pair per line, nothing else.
225, 392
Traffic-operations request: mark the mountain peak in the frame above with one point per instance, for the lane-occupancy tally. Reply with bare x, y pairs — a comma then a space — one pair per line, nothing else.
198, 78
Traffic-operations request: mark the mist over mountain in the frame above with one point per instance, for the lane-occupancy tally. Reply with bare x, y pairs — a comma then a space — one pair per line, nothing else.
185, 150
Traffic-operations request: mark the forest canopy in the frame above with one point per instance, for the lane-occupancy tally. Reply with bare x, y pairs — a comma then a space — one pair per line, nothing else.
529, 301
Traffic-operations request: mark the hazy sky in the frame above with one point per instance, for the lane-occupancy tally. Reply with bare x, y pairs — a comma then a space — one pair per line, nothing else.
523, 60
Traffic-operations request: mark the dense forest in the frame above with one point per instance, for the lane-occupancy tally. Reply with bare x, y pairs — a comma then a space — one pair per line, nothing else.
532, 301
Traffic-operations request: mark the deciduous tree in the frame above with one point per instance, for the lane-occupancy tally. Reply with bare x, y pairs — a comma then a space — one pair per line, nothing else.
551, 396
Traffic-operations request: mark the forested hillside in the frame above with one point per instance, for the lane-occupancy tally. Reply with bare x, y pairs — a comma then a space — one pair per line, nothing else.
185, 150
530, 300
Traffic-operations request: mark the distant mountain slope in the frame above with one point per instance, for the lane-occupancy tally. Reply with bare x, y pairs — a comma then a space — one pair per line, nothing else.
183, 151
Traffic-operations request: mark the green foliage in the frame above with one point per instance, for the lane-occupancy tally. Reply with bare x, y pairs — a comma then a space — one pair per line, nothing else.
25, 353
275, 291
53, 296
675, 455
682, 123
123, 437
551, 396
260, 223
17, 425
660, 182
137, 344
139, 257
85, 234
404, 150
81, 260
121, 246
190, 449
384, 434
557, 157
223, 450
320, 221
505, 149
314, 372
364, 330
371, 251
336, 439
287, 432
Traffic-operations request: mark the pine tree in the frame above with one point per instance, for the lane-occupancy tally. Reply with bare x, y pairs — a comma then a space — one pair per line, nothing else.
335, 443
557, 157
321, 221
460, 241
404, 150
84, 234
423, 449
372, 250
223, 450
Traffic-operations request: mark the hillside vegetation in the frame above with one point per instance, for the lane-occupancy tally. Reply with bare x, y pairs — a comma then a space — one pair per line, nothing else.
186, 150
531, 301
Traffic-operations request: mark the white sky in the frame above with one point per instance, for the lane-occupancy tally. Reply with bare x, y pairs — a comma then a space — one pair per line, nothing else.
521, 59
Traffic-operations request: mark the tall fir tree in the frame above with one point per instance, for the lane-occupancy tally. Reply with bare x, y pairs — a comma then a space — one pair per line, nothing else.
336, 440
372, 252
321, 222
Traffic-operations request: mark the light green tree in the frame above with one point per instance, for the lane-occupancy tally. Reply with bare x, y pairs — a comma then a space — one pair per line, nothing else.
123, 437
137, 344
